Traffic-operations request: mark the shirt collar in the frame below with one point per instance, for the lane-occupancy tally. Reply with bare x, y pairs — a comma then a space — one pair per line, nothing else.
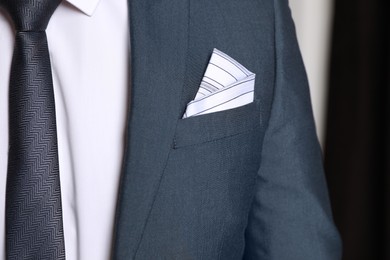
86, 6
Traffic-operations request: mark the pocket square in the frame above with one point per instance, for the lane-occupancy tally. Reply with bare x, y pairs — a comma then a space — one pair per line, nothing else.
226, 84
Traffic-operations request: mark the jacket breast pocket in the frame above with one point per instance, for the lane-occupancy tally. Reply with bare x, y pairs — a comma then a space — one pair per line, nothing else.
218, 125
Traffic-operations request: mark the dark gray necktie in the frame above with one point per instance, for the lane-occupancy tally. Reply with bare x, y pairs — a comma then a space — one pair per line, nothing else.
34, 228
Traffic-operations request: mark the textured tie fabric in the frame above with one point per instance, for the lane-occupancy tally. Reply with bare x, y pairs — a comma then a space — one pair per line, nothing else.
34, 228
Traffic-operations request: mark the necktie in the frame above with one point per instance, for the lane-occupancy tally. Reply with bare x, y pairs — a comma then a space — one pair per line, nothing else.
34, 228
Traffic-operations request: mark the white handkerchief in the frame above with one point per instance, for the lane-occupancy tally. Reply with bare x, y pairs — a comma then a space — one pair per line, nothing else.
226, 84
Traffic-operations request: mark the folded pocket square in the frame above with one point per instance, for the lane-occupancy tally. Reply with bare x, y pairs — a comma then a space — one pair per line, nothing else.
226, 84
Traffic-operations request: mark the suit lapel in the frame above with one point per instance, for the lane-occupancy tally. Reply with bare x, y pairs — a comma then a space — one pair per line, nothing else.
159, 45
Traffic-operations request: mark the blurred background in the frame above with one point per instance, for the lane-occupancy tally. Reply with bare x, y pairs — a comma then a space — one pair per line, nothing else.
345, 47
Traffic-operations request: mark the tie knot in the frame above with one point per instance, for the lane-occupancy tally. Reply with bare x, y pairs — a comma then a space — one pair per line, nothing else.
30, 15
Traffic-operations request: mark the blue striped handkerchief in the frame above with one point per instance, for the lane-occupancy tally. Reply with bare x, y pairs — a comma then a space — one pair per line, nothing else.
226, 84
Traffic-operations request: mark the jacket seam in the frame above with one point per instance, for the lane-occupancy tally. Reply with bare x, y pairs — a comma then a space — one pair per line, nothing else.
169, 153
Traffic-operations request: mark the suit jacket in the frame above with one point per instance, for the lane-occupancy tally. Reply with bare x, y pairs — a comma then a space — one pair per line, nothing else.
245, 183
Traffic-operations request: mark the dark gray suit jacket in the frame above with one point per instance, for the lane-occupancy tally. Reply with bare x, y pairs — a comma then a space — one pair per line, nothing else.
245, 183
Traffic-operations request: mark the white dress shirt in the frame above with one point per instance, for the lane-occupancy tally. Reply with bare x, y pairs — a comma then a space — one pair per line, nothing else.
89, 51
